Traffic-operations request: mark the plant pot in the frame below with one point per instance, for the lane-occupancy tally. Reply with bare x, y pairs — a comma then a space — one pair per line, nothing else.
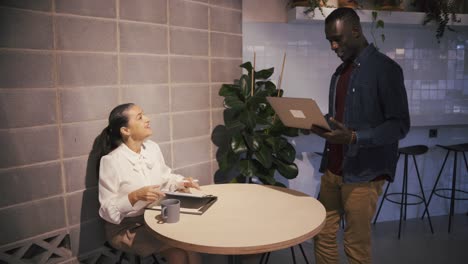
388, 5
295, 3
348, 3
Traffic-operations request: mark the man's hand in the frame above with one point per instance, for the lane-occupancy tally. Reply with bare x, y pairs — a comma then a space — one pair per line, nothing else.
340, 135
148, 193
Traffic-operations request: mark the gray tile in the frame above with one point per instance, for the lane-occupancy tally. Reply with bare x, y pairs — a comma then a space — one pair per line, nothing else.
166, 151
225, 45
189, 42
101, 8
202, 172
188, 14
31, 219
22, 29
225, 20
187, 125
184, 152
153, 100
41, 5
28, 145
85, 34
30, 183
140, 69
83, 104
25, 70
87, 237
160, 125
78, 138
80, 173
20, 108
225, 70
86, 69
144, 10
189, 70
235, 4
190, 97
143, 38
82, 206
217, 101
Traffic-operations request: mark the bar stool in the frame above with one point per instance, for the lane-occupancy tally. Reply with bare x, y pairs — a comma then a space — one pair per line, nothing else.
456, 149
406, 151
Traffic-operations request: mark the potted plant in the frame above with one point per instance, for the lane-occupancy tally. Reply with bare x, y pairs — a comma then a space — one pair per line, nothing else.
252, 141
442, 12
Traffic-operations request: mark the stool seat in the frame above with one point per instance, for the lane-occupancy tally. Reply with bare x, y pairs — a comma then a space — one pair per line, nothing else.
413, 150
458, 147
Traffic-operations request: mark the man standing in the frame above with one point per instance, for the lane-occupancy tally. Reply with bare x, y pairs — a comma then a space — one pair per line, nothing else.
368, 111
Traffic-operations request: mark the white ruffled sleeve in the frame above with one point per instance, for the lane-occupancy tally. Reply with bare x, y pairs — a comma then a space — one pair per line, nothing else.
114, 205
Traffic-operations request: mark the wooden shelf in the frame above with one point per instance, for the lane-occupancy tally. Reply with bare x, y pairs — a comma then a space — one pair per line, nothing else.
296, 15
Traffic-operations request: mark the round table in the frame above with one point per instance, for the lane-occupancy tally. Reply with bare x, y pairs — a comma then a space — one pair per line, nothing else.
246, 219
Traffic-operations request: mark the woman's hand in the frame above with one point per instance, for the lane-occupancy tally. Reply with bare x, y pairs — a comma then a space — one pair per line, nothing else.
148, 194
189, 182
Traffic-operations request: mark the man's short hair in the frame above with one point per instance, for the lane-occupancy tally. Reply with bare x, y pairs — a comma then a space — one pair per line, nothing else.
344, 14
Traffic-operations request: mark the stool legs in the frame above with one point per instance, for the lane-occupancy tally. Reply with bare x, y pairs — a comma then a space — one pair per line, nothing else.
426, 204
404, 196
435, 184
266, 256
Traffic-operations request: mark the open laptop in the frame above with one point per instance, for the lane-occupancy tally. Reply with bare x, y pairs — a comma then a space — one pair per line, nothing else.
298, 112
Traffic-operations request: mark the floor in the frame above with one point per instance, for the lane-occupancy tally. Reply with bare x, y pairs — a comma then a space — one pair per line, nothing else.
417, 244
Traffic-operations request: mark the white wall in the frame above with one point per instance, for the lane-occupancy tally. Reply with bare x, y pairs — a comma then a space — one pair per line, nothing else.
436, 70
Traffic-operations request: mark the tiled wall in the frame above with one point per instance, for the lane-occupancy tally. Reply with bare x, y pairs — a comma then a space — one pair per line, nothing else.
63, 66
436, 79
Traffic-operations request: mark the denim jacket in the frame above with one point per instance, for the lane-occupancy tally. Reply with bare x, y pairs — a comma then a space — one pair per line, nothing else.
376, 107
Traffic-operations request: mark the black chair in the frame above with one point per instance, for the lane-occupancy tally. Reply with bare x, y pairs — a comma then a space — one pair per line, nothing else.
459, 148
129, 257
406, 151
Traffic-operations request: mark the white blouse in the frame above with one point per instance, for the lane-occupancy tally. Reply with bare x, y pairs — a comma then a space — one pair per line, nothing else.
123, 171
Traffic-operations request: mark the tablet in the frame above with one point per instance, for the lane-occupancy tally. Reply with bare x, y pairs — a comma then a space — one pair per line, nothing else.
299, 112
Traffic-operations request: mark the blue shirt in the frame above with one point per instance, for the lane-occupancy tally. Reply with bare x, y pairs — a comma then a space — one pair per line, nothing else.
376, 107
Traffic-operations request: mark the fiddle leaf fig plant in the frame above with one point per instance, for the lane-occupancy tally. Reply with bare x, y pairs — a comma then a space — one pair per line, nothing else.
252, 142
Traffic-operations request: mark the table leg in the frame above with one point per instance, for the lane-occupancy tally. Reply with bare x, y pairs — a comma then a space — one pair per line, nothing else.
233, 259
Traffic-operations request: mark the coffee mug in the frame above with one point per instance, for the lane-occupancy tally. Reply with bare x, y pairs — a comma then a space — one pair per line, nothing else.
170, 210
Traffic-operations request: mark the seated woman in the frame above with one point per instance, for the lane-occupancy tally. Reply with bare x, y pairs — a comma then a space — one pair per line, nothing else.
133, 174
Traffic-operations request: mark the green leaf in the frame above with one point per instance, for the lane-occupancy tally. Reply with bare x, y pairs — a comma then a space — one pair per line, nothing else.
289, 171
252, 142
247, 66
288, 153
233, 102
380, 24
264, 156
229, 90
276, 143
264, 74
245, 85
238, 144
226, 159
247, 168
248, 119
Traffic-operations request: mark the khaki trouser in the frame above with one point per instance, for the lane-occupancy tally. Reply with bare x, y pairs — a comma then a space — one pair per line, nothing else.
358, 202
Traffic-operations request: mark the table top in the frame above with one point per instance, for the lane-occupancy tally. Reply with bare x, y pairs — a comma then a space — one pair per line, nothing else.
246, 219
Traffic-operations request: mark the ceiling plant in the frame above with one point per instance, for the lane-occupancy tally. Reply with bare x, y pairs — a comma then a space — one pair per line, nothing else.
442, 13
252, 142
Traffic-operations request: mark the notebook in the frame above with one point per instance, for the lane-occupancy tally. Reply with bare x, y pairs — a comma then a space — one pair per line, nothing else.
299, 112
196, 203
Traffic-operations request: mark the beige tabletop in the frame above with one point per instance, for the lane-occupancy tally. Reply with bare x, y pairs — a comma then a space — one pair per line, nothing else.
246, 219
